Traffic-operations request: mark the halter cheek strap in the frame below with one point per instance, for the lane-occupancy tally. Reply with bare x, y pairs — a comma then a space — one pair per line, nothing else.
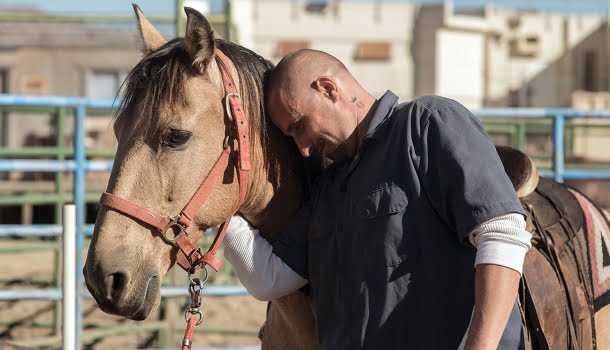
174, 229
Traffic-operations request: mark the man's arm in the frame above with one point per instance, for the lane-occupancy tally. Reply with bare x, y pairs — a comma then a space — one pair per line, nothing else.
496, 290
264, 274
501, 247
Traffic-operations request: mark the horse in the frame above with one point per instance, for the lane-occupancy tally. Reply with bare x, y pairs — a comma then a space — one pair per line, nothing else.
170, 129
177, 128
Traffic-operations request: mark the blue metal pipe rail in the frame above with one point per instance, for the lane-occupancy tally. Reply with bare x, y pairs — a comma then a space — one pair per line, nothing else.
57, 294
27, 165
558, 116
39, 230
79, 166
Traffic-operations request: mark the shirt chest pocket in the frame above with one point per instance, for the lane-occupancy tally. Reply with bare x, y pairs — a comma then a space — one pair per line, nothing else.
382, 212
386, 200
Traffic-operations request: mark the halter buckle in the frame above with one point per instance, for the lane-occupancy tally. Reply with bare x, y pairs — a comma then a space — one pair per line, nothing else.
176, 229
228, 104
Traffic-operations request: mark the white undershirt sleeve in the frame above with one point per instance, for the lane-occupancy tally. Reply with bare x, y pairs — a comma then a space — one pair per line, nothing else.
263, 274
502, 241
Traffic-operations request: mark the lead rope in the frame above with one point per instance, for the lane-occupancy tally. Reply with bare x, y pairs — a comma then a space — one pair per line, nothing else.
193, 315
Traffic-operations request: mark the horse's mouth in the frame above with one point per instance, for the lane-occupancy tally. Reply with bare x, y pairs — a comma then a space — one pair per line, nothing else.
152, 291
134, 312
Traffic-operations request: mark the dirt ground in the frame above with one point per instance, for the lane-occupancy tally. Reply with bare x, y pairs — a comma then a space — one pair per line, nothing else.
29, 319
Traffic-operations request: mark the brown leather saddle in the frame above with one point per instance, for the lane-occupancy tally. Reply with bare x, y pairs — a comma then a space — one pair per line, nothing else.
555, 294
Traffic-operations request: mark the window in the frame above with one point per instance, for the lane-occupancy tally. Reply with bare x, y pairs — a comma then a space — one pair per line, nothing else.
287, 46
513, 98
529, 96
33, 84
104, 84
316, 6
590, 72
4, 89
373, 51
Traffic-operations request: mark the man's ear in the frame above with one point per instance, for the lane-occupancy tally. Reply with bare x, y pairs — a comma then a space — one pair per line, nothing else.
327, 86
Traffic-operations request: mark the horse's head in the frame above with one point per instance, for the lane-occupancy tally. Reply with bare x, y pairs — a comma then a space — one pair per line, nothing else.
171, 129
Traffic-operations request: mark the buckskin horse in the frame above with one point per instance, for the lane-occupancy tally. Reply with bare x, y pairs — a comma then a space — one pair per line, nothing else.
194, 145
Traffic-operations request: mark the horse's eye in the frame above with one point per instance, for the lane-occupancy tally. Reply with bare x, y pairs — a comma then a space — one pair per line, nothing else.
176, 137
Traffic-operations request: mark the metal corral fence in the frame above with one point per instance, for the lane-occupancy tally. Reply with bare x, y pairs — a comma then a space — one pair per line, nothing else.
558, 117
75, 161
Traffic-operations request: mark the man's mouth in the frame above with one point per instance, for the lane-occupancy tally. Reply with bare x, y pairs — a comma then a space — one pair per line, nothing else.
319, 149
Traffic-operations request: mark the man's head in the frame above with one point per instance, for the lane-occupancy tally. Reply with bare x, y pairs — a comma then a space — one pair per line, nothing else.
313, 98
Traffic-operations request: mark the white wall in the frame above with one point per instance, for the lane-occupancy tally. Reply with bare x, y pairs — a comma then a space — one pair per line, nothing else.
459, 63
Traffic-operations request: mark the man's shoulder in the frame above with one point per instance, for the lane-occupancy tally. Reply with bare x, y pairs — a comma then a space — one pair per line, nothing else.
421, 109
435, 103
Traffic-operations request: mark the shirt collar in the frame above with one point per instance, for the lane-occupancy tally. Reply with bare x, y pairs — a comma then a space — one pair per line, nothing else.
384, 109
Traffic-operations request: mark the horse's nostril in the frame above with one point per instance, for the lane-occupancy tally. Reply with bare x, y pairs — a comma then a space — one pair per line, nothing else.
115, 283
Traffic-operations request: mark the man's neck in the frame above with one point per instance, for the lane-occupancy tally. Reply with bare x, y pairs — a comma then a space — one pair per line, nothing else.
370, 105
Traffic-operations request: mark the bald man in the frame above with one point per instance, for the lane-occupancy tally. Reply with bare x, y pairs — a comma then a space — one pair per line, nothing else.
413, 238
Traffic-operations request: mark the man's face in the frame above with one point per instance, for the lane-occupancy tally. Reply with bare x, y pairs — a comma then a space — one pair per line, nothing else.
313, 122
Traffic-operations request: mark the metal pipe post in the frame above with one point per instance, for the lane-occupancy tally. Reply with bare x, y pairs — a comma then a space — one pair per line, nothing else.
180, 21
69, 278
558, 147
228, 21
79, 202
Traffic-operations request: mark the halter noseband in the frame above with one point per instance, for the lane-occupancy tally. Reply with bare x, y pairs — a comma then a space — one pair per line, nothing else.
173, 229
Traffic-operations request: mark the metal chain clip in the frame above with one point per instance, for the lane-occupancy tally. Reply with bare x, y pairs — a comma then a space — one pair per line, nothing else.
195, 291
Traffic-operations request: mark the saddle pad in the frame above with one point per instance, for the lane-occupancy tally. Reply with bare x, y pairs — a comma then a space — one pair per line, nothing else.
597, 235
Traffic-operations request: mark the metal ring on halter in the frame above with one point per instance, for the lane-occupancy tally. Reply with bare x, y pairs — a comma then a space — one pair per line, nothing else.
196, 281
193, 312
225, 144
173, 224
228, 104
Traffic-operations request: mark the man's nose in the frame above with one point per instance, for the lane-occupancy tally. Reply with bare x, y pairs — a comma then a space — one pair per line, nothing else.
305, 148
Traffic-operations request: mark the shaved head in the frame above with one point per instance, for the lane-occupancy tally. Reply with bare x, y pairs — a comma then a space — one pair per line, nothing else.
299, 68
312, 97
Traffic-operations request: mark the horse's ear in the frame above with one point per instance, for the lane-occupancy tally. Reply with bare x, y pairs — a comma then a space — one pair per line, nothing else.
151, 37
199, 39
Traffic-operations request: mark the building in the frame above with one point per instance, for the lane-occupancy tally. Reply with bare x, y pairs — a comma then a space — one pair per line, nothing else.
489, 57
502, 57
372, 38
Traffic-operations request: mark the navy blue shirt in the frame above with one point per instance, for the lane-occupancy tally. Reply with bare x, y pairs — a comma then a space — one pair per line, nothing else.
383, 240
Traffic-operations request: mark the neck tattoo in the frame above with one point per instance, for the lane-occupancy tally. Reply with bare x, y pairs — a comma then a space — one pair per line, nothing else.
358, 103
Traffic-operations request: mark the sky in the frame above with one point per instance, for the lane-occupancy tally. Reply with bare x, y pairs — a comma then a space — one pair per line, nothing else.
167, 7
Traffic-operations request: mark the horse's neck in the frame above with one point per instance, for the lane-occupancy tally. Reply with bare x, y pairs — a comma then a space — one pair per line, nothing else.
273, 198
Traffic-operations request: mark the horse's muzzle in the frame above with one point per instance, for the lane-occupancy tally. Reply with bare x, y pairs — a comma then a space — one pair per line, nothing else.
118, 294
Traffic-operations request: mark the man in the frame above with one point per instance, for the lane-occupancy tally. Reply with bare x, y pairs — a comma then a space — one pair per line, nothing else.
387, 241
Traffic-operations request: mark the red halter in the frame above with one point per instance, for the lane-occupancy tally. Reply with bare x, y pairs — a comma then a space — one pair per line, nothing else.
192, 259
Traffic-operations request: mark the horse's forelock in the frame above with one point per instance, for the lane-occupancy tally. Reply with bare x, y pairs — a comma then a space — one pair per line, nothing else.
154, 88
